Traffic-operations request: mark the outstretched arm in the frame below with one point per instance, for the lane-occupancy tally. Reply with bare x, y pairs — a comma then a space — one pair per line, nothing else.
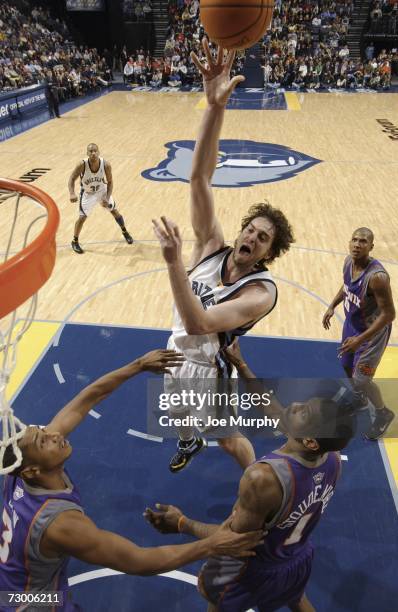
72, 179
72, 533
218, 87
77, 409
255, 385
260, 497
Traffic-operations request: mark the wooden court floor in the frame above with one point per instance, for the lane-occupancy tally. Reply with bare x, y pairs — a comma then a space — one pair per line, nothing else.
117, 284
112, 282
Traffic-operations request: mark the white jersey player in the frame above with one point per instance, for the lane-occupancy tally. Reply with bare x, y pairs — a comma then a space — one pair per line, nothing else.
228, 289
96, 188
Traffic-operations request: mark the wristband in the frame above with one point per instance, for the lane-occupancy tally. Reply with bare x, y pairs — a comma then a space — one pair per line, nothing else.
179, 524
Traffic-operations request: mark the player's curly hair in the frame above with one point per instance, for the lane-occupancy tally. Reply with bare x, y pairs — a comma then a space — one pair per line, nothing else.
283, 237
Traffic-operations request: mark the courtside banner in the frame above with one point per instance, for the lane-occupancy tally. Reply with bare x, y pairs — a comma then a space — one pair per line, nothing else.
20, 102
85, 5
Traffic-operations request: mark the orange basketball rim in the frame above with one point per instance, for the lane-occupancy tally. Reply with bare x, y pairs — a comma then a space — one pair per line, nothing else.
22, 275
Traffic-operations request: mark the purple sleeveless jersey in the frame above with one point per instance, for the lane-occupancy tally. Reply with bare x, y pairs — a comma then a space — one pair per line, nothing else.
27, 512
306, 494
279, 572
360, 309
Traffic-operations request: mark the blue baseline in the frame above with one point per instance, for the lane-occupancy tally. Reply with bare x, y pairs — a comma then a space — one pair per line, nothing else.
355, 564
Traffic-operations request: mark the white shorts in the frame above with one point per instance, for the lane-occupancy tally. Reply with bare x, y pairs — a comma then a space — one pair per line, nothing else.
89, 200
202, 380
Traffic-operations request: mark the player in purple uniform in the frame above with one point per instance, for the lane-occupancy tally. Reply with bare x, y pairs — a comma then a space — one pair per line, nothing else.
369, 311
285, 492
43, 520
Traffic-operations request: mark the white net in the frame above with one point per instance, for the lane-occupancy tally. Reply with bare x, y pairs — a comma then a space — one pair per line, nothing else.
23, 219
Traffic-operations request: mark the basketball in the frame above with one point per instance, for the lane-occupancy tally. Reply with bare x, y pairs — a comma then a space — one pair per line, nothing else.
236, 24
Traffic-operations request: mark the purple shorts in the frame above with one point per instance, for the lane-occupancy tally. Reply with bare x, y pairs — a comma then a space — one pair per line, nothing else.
365, 360
235, 586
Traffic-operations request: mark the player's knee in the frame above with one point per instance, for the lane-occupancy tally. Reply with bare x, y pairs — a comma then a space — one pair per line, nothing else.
362, 383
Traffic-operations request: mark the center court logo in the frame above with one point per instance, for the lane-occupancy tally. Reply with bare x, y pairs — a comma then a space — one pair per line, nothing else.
241, 163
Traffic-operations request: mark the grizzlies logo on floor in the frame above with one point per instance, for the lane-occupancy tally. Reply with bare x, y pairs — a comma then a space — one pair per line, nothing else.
241, 163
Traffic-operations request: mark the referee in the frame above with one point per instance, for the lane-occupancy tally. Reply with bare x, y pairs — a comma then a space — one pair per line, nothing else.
52, 94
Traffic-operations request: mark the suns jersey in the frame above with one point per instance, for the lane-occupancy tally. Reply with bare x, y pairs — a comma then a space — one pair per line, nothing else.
360, 308
27, 512
90, 181
206, 282
306, 493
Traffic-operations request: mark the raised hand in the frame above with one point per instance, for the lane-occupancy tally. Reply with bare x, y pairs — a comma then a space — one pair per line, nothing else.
169, 238
161, 360
217, 83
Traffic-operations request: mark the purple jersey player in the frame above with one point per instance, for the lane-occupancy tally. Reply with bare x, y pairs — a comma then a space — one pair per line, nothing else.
285, 493
369, 312
27, 513
44, 523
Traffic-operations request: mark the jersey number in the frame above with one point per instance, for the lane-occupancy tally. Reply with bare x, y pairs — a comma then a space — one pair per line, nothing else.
347, 304
94, 188
297, 532
6, 537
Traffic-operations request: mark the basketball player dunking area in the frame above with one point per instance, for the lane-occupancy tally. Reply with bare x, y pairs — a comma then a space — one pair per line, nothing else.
369, 312
227, 290
96, 188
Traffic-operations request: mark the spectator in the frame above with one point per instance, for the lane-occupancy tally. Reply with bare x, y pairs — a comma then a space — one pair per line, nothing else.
370, 51
36, 47
128, 71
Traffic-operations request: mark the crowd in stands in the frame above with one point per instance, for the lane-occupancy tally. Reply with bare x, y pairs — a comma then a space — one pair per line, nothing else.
324, 71
137, 10
34, 46
175, 69
184, 35
383, 17
306, 47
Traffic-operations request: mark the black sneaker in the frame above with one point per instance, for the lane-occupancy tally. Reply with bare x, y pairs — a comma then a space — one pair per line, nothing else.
184, 454
380, 424
360, 401
76, 247
128, 238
